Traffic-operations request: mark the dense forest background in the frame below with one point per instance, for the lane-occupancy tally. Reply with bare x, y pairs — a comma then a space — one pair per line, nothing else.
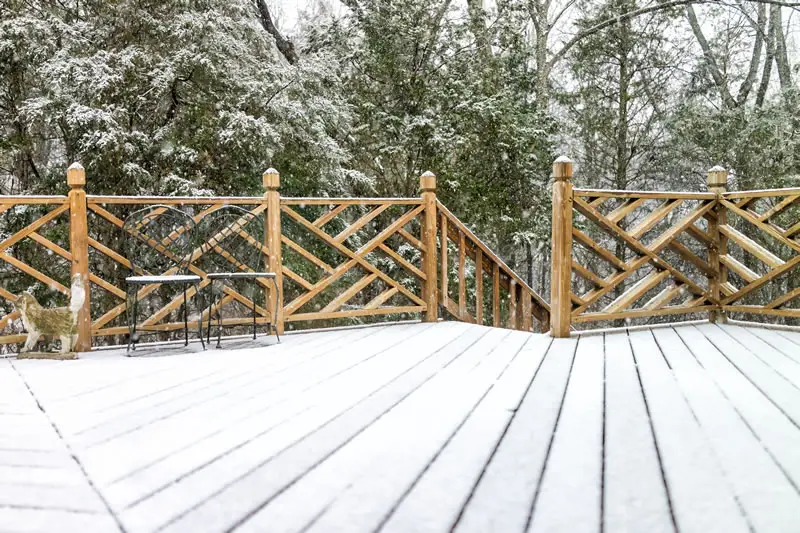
200, 96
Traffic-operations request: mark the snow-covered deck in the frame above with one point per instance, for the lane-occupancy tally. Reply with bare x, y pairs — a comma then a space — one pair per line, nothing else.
411, 428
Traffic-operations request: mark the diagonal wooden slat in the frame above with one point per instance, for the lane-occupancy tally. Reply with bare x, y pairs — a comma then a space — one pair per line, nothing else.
630, 205
766, 228
347, 295
663, 298
778, 208
690, 256
381, 298
34, 226
297, 278
360, 223
636, 291
783, 299
402, 261
653, 218
738, 268
413, 241
612, 281
330, 215
306, 254
763, 280
591, 245
47, 280
587, 274
749, 245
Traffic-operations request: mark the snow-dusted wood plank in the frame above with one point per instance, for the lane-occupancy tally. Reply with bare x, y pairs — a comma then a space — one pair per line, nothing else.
569, 497
775, 430
421, 421
785, 394
776, 339
767, 352
793, 335
242, 372
449, 480
42, 487
503, 497
314, 409
766, 495
246, 494
634, 495
168, 448
365, 504
701, 499
23, 520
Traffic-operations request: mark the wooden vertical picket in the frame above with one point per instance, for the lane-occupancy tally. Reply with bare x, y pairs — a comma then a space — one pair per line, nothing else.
560, 284
79, 249
272, 182
427, 185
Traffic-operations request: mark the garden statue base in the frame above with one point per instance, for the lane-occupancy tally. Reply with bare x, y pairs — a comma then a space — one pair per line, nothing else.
47, 355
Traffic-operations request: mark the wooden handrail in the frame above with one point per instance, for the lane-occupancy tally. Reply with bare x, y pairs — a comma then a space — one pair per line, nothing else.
528, 304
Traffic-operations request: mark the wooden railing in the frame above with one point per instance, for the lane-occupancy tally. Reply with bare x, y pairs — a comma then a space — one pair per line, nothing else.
621, 255
336, 259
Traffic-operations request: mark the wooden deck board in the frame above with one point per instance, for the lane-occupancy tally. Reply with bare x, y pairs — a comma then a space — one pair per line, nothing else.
570, 495
515, 469
634, 494
415, 427
700, 497
767, 497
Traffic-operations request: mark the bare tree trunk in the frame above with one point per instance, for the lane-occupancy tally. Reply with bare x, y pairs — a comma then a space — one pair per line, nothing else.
781, 57
766, 73
285, 46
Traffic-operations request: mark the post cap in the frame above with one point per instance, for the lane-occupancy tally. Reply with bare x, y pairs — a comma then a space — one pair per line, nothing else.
717, 177
427, 182
76, 175
562, 168
271, 179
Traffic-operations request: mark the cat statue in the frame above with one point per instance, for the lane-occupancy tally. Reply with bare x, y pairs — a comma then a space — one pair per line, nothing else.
61, 322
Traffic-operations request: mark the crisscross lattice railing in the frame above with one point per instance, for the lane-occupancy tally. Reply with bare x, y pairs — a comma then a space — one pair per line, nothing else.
623, 255
336, 260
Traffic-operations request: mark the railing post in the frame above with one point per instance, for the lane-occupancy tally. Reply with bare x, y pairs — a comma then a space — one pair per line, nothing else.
561, 266
717, 183
272, 182
427, 184
79, 249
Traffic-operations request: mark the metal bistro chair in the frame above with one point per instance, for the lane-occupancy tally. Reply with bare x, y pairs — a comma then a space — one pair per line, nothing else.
232, 248
159, 243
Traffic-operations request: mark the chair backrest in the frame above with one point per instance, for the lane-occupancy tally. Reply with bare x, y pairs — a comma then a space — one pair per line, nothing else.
159, 240
232, 239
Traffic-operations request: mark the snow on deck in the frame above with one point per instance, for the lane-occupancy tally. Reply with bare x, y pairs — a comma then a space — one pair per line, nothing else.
411, 428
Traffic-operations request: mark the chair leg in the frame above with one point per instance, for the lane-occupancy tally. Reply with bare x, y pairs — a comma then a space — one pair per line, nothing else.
185, 318
200, 307
134, 339
219, 321
128, 317
211, 310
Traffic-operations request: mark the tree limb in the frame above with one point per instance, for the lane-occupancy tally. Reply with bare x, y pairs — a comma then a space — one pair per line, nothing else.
716, 74
285, 46
755, 58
